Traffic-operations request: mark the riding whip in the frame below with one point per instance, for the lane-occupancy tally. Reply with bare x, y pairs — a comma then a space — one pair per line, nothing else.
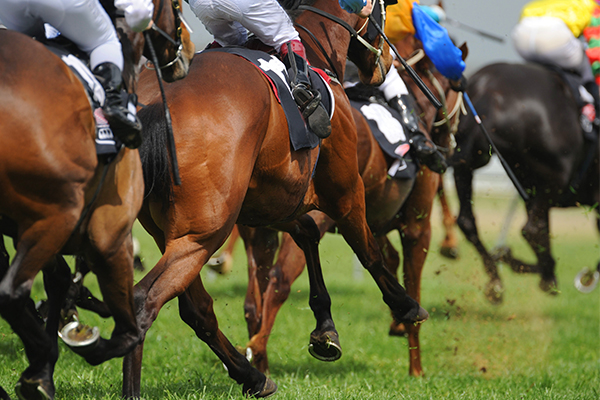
487, 35
415, 77
509, 172
170, 138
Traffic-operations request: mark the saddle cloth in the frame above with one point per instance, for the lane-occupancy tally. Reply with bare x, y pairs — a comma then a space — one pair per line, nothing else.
106, 143
386, 128
301, 137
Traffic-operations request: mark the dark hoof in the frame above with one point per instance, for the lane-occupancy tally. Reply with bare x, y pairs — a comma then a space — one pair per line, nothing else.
494, 291
268, 389
27, 389
550, 286
502, 253
325, 347
449, 252
414, 316
397, 329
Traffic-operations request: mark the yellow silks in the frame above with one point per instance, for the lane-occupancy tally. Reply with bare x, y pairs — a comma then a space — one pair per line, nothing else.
575, 13
398, 22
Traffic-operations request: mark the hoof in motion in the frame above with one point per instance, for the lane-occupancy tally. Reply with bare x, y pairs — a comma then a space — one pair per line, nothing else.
80, 338
587, 280
550, 286
501, 253
33, 390
268, 389
397, 329
449, 252
494, 291
325, 347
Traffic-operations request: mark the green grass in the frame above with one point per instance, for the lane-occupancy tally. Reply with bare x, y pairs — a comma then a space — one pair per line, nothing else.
533, 346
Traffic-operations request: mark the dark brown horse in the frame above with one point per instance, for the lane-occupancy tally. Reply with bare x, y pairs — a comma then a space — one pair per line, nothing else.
391, 204
237, 166
59, 197
533, 119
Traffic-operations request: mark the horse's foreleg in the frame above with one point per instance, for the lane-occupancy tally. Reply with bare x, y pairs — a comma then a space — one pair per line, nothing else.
114, 271
463, 179
449, 246
196, 310
415, 228
324, 341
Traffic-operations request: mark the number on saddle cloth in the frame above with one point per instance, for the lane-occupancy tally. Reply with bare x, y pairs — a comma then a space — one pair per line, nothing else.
106, 144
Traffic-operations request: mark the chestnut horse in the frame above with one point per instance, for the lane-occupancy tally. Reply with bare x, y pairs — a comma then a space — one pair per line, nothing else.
392, 204
59, 197
237, 166
533, 119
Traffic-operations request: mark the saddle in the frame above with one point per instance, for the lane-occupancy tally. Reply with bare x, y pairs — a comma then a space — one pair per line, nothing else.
386, 127
107, 145
301, 137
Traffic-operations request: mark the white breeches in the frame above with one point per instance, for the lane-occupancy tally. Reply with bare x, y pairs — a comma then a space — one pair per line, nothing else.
547, 40
230, 20
84, 22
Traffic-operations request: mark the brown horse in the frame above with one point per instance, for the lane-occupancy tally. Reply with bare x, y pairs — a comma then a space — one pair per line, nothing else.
237, 166
392, 204
59, 197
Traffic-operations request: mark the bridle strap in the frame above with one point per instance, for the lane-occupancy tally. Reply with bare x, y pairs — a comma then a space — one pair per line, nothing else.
353, 33
314, 38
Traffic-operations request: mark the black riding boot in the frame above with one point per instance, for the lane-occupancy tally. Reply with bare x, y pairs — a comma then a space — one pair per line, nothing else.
425, 150
123, 122
307, 99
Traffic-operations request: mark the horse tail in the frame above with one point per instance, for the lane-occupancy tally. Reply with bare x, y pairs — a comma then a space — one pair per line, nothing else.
154, 154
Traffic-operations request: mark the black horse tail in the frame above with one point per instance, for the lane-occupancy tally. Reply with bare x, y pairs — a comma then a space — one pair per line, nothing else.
154, 154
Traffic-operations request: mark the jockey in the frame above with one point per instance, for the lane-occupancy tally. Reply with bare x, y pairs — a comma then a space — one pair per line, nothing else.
403, 19
548, 33
229, 22
87, 24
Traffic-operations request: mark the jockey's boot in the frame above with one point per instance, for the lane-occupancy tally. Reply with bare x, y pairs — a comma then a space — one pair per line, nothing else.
425, 150
592, 88
307, 99
119, 106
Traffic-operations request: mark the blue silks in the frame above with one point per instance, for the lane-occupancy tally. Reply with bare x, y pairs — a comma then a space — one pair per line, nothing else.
438, 46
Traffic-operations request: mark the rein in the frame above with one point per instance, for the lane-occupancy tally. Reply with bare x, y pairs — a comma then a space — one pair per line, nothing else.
354, 34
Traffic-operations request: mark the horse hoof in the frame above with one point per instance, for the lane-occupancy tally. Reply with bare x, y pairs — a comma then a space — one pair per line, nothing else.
397, 329
501, 253
494, 292
268, 389
449, 252
80, 338
325, 347
27, 389
221, 264
587, 280
550, 286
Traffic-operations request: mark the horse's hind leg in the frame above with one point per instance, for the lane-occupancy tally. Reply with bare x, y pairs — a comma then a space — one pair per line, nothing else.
196, 310
463, 178
34, 250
